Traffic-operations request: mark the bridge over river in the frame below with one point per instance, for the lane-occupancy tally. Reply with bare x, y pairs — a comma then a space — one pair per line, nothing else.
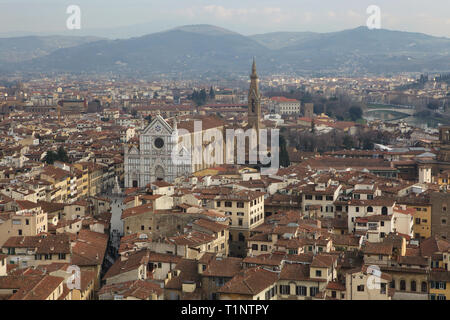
388, 112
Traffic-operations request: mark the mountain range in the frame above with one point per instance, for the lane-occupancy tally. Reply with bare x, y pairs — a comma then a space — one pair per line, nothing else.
210, 50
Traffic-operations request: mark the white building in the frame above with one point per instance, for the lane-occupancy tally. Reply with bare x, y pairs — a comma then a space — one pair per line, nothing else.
285, 106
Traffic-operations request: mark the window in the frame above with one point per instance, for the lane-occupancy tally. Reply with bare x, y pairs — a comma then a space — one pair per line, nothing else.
329, 198
228, 204
360, 288
402, 285
369, 209
313, 291
356, 196
333, 294
240, 204
300, 291
383, 288
308, 197
241, 237
263, 247
318, 273
218, 204
384, 211
319, 197
61, 256
254, 247
413, 286
240, 222
424, 287
159, 143
357, 209
285, 289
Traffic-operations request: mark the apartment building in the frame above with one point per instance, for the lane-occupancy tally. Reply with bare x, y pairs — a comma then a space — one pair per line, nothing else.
37, 250
245, 210
367, 283
318, 199
28, 219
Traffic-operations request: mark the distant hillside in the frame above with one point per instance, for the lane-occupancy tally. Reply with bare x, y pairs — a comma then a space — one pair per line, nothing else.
19, 49
196, 49
205, 49
278, 40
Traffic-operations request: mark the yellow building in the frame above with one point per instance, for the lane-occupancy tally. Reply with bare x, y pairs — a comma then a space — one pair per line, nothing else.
440, 285
245, 210
422, 215
94, 177
61, 183
444, 180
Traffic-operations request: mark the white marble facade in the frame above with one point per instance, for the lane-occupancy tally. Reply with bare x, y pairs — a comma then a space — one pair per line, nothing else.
153, 160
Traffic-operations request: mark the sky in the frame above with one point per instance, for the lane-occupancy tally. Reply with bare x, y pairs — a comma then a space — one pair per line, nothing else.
126, 18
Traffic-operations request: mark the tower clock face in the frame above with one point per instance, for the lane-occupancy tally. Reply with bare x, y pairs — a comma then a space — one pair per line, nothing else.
159, 143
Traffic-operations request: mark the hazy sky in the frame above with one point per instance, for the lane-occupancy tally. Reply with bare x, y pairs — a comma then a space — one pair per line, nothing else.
243, 16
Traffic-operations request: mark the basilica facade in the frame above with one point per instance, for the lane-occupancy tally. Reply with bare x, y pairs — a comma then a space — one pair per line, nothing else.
153, 160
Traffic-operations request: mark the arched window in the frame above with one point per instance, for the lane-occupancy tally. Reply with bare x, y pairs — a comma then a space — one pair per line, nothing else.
393, 284
402, 285
241, 237
424, 286
413, 286
384, 211
369, 209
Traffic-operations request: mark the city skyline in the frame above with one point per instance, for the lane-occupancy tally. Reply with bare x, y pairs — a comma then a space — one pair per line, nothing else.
137, 17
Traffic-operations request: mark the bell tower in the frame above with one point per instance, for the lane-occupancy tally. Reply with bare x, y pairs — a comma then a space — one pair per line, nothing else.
254, 101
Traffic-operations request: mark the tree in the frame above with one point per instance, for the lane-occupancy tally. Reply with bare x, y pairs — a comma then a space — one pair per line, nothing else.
313, 127
284, 155
433, 105
347, 142
355, 113
50, 157
202, 96
199, 97
62, 155
212, 94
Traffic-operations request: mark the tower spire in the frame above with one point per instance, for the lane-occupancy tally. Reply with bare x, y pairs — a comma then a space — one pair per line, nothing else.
254, 75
